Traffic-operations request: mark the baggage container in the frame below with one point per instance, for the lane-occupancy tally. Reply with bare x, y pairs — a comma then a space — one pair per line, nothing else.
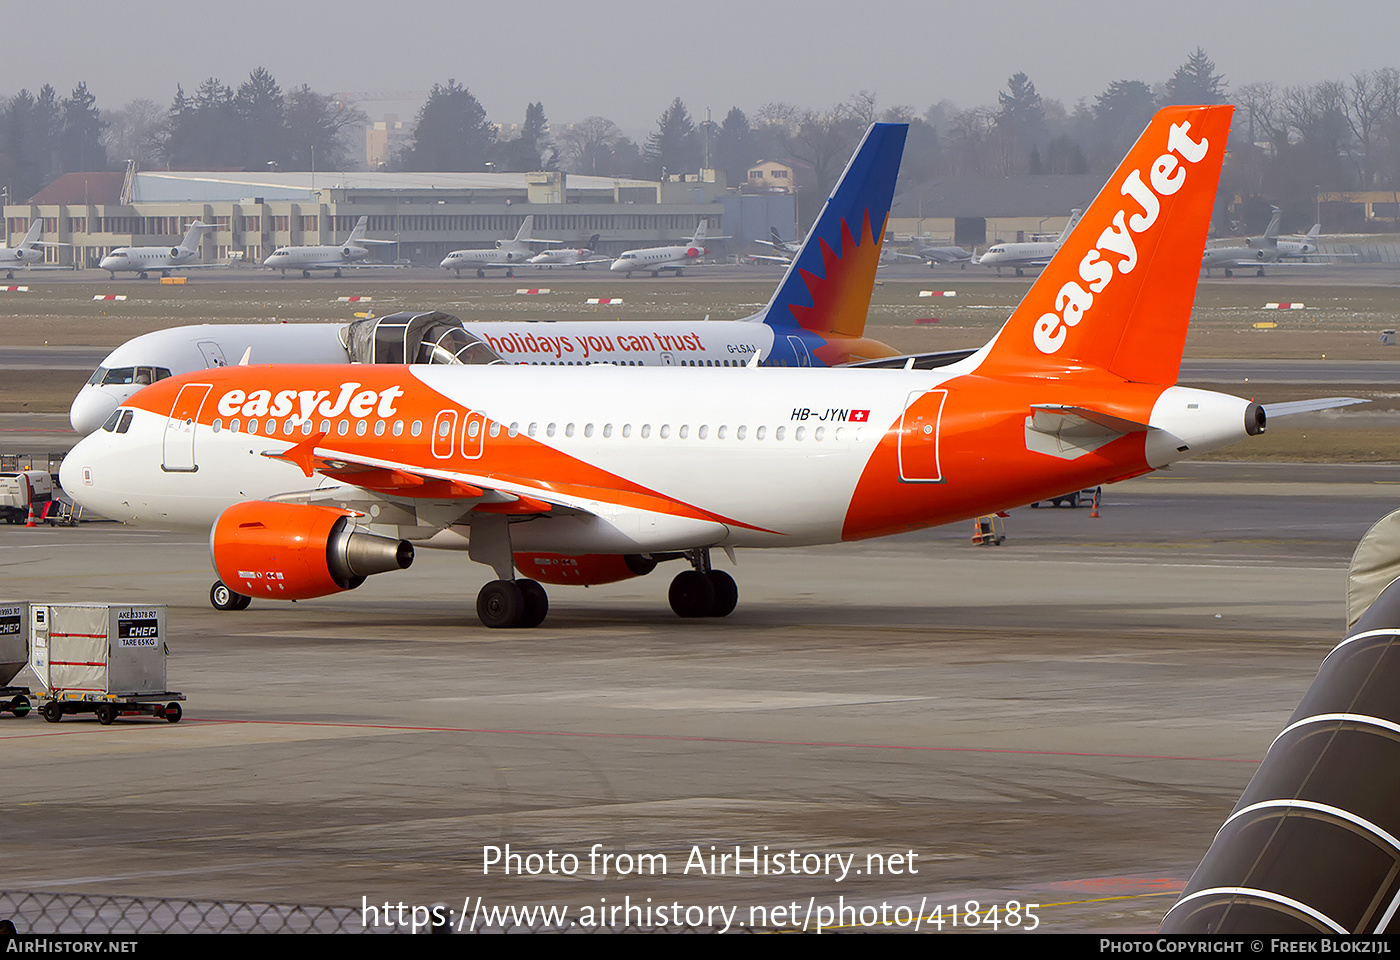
14, 654
101, 658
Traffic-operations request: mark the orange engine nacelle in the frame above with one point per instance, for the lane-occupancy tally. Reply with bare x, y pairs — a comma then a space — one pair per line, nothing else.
292, 551
591, 568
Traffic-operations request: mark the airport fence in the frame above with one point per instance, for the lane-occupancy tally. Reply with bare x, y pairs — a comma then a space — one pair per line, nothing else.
96, 915
11, 462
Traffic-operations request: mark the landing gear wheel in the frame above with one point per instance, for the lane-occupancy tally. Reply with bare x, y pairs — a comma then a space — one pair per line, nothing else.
536, 603
726, 593
19, 706
338, 274
500, 604
51, 712
306, 274
692, 594
142, 275
106, 713
1020, 272
222, 598
480, 274
173, 713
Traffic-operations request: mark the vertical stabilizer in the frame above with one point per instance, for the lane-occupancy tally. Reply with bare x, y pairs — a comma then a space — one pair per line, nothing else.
358, 233
827, 286
191, 241
35, 226
527, 227
1117, 296
1074, 217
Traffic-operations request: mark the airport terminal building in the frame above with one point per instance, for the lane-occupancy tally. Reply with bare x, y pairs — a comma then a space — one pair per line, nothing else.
429, 214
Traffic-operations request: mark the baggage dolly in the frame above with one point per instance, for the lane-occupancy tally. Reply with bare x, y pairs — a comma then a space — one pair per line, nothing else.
110, 706
15, 700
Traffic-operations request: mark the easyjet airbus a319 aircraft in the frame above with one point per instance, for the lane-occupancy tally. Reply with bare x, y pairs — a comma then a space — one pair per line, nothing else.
314, 477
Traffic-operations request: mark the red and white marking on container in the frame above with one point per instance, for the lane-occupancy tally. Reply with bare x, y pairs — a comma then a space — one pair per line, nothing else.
604, 300
1283, 306
938, 293
15, 289
354, 299
531, 291
928, 320
110, 296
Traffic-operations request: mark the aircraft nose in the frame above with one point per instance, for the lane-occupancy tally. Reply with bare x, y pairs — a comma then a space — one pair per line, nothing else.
73, 473
91, 408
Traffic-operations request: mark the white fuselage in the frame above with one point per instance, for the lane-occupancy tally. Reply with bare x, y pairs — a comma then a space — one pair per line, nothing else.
143, 259
322, 257
759, 458
707, 343
1018, 254
658, 258
21, 256
505, 253
560, 258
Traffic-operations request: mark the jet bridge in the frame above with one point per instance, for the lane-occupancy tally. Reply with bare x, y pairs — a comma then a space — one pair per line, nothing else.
414, 337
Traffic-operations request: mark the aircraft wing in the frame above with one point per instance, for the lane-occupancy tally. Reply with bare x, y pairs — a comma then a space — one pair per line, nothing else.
380, 242
588, 263
770, 258
405, 482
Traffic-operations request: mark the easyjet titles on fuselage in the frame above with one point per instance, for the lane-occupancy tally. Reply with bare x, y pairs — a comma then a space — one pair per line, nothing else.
1166, 176
263, 403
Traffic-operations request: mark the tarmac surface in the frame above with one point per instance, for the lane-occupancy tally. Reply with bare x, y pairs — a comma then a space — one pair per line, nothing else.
1063, 720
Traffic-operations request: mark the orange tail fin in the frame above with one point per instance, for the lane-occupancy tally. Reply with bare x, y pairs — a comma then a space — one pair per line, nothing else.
1118, 294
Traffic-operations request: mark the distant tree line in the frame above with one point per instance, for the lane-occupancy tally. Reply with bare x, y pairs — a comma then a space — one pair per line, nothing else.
1288, 144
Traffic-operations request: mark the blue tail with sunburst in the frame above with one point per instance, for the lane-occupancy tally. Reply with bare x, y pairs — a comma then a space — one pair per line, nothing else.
818, 311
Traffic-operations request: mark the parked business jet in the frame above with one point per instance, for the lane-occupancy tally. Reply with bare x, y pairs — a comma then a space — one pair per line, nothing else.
25, 255
1264, 250
675, 257
935, 255
783, 252
337, 257
1031, 254
582, 258
505, 255
806, 323
143, 261
313, 478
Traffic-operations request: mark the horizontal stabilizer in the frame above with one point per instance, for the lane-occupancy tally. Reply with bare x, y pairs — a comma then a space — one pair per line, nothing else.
1309, 406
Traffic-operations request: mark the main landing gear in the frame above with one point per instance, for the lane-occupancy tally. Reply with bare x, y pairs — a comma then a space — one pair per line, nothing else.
222, 598
698, 592
512, 603
702, 591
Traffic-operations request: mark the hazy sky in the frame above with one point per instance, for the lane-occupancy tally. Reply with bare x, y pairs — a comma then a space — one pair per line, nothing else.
586, 57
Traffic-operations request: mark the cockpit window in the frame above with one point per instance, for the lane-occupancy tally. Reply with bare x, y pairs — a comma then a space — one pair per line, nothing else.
111, 423
97, 376
139, 376
125, 423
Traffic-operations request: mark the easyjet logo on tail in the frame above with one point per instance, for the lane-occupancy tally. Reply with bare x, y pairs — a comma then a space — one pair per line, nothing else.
1166, 176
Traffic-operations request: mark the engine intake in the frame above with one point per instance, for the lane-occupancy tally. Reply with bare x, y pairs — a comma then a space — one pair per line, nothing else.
289, 551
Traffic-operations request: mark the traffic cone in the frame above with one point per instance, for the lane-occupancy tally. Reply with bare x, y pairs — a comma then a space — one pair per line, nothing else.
1094, 513
30, 487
